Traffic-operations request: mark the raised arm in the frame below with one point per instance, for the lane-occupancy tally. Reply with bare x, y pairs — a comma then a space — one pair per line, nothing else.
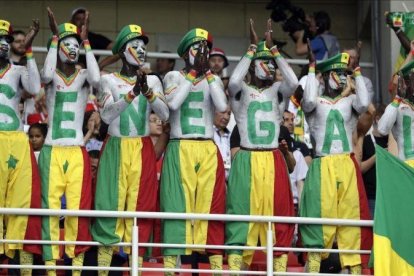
310, 93
240, 72
389, 117
176, 91
111, 109
290, 81
155, 96
361, 102
92, 67
31, 77
217, 92
49, 66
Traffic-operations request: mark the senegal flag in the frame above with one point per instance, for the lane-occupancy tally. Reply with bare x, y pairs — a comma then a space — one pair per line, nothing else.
394, 216
406, 21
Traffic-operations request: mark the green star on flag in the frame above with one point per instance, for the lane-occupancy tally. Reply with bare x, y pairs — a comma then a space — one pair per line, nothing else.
12, 162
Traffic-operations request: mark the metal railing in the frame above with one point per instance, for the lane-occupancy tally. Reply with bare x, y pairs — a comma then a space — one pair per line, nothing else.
38, 49
135, 244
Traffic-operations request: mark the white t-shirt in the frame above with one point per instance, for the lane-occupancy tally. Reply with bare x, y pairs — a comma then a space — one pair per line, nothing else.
299, 173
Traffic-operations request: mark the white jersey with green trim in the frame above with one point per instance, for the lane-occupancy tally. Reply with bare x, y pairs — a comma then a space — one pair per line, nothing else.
400, 120
332, 121
66, 100
257, 111
192, 105
13, 79
129, 119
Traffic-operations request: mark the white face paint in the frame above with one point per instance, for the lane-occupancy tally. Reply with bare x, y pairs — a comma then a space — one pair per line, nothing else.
135, 51
264, 69
4, 47
69, 50
337, 80
192, 52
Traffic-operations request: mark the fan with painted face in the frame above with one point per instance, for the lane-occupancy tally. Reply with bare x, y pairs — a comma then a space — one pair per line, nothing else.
135, 52
192, 52
69, 50
265, 69
4, 47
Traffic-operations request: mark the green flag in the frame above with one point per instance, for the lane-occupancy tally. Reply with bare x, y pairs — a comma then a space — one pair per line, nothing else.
406, 21
394, 216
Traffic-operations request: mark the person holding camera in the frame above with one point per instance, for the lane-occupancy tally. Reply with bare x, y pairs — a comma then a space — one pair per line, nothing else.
324, 43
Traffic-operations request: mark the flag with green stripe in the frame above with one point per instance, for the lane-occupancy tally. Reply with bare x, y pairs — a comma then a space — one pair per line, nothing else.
394, 216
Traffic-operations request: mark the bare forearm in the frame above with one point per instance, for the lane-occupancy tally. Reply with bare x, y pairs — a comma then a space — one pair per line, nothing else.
368, 164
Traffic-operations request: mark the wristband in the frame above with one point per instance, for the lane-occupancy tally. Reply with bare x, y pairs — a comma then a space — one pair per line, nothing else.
191, 76
357, 71
87, 45
130, 96
275, 52
312, 68
54, 42
210, 77
396, 102
29, 53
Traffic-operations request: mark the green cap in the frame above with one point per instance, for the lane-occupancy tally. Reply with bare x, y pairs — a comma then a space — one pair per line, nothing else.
262, 52
128, 33
65, 30
407, 69
193, 36
339, 61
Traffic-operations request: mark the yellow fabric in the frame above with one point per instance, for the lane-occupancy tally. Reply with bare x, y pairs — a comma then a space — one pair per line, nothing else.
340, 199
234, 261
68, 183
198, 165
51, 272
104, 258
314, 262
280, 263
410, 163
387, 261
261, 199
170, 262
216, 262
15, 186
356, 270
26, 258
78, 261
130, 168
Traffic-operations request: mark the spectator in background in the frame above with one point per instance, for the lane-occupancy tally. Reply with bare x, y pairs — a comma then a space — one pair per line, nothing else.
40, 113
222, 137
97, 41
164, 65
218, 63
288, 122
91, 131
368, 157
17, 49
324, 44
37, 136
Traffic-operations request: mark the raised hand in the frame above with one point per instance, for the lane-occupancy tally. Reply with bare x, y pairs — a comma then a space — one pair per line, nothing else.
30, 36
52, 22
85, 27
311, 55
268, 34
358, 51
253, 36
201, 60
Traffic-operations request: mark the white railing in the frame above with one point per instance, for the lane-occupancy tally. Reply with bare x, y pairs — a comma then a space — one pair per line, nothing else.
37, 49
135, 244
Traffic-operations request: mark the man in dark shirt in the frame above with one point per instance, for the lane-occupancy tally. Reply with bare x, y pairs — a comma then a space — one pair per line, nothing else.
97, 41
368, 158
288, 122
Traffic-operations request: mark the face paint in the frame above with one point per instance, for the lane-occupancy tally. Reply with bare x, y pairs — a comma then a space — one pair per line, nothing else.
264, 69
337, 80
135, 51
4, 47
192, 52
69, 50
